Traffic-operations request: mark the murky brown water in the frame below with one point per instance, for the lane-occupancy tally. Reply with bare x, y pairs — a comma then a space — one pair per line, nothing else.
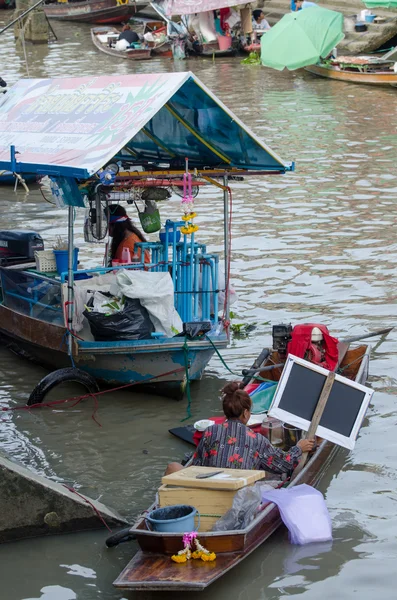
318, 244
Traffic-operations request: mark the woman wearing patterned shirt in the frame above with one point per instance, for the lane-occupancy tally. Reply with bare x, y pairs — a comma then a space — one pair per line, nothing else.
232, 444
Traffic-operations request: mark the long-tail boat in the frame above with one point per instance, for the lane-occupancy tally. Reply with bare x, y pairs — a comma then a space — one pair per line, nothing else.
152, 569
127, 120
357, 69
104, 38
92, 11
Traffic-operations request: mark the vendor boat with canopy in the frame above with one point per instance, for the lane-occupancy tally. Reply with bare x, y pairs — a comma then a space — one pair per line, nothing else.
163, 131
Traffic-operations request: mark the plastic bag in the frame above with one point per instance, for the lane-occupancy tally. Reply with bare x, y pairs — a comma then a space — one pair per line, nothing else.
304, 512
246, 504
131, 323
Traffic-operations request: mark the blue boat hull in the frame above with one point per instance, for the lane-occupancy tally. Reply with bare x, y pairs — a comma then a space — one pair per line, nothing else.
158, 366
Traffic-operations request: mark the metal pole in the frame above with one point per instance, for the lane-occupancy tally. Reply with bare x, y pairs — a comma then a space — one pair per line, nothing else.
21, 16
70, 277
226, 223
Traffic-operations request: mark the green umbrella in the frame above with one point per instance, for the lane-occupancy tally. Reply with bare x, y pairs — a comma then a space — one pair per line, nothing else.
300, 38
380, 3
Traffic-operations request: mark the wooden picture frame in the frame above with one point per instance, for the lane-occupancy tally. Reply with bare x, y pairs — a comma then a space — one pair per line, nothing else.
297, 395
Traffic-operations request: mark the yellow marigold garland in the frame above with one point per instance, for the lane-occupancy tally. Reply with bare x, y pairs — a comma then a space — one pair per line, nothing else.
199, 553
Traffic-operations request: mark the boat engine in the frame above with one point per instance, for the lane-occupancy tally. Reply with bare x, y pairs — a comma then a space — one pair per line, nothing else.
281, 338
316, 350
18, 247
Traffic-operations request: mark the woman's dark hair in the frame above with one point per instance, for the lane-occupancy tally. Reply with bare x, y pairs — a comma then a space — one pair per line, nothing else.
235, 400
256, 14
119, 229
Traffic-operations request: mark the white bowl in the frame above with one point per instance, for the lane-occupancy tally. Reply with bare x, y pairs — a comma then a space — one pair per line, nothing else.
203, 424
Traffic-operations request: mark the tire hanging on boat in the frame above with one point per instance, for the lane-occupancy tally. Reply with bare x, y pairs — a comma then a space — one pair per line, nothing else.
69, 374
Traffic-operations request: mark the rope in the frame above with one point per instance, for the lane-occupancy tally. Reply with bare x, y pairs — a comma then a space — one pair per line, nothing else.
94, 508
341, 369
77, 399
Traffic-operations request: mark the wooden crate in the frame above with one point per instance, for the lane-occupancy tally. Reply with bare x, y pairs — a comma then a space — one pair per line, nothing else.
229, 479
211, 504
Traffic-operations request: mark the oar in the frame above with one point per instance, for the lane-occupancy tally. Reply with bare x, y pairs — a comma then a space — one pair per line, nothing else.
251, 372
343, 345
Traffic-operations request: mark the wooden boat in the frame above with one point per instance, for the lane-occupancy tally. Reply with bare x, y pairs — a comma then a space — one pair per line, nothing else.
357, 69
152, 569
211, 49
105, 38
91, 11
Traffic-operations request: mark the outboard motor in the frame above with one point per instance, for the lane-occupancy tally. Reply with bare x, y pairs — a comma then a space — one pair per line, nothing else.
18, 247
281, 338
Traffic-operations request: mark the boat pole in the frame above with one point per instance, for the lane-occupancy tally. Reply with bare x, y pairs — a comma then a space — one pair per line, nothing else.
226, 218
21, 16
70, 278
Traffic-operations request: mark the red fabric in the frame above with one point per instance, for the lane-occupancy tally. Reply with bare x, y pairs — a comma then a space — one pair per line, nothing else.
301, 340
218, 420
224, 13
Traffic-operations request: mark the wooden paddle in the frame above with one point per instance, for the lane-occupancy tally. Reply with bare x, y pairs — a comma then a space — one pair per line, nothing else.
344, 345
318, 413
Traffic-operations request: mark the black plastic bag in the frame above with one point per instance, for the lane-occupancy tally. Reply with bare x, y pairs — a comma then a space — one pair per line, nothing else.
131, 323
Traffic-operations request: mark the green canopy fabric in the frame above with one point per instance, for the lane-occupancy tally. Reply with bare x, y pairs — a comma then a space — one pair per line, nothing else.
300, 38
380, 3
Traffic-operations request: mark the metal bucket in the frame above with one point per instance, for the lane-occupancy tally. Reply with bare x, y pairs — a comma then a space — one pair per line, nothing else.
173, 519
291, 435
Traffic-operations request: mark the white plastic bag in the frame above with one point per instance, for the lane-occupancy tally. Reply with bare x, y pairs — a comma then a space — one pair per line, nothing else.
304, 512
155, 291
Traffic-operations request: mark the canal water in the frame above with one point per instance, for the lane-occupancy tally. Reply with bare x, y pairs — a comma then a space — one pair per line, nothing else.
315, 245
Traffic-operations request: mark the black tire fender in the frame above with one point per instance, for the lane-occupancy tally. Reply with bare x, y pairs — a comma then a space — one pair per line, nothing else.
53, 379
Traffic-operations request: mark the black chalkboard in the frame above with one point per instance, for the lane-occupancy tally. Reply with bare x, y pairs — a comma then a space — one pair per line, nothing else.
302, 392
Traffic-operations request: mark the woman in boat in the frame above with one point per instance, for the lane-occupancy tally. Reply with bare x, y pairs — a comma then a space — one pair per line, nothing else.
232, 444
127, 34
124, 234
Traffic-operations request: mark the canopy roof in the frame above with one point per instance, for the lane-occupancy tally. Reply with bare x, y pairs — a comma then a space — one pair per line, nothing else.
189, 7
75, 126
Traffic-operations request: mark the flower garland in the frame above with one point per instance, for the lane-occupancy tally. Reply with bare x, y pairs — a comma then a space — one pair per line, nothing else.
199, 553
188, 206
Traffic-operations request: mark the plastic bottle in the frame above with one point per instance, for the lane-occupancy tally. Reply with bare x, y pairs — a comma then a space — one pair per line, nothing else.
126, 256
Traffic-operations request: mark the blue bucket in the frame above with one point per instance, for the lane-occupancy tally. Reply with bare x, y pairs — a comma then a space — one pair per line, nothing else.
171, 236
61, 258
173, 519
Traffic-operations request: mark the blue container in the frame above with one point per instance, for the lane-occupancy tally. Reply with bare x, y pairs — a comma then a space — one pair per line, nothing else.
370, 18
173, 519
170, 236
61, 258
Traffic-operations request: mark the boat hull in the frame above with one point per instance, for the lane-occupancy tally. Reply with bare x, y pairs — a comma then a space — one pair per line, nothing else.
158, 366
152, 569
381, 78
90, 11
136, 54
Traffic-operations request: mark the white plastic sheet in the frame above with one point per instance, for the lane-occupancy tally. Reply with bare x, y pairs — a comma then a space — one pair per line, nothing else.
304, 512
155, 291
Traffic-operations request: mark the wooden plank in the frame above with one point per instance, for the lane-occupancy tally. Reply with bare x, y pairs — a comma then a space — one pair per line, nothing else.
233, 479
